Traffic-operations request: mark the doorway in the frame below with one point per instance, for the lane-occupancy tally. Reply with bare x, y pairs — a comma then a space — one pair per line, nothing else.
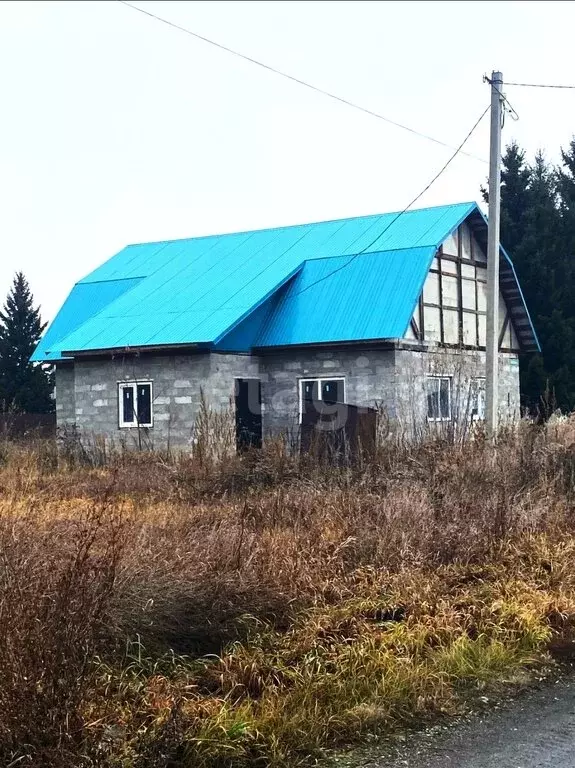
248, 401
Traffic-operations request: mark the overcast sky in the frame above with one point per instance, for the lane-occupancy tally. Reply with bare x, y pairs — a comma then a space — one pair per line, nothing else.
116, 128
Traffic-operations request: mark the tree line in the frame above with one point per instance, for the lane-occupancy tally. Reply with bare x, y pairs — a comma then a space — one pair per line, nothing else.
538, 232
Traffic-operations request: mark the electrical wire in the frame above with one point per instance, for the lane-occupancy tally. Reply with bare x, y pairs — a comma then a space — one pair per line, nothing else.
395, 218
540, 85
297, 80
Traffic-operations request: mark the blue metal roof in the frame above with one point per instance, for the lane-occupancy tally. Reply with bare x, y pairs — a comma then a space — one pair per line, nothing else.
84, 302
370, 297
200, 290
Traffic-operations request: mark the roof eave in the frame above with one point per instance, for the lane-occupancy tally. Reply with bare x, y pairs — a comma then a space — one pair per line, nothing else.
136, 350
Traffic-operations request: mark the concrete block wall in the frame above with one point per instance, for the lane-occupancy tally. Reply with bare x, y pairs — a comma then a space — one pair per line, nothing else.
369, 380
90, 397
65, 396
224, 369
412, 367
394, 379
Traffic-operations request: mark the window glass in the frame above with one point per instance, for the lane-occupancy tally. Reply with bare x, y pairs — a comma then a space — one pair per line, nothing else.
310, 397
432, 398
481, 273
135, 404
332, 391
450, 326
310, 390
314, 391
468, 270
449, 267
432, 330
445, 398
482, 324
128, 411
450, 245
431, 289
468, 297
144, 405
438, 391
469, 329
482, 297
450, 291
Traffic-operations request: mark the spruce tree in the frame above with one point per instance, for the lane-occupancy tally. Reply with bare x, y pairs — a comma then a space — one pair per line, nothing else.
24, 386
538, 230
515, 177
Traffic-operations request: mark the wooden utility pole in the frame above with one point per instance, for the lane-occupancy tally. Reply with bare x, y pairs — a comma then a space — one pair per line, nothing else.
492, 338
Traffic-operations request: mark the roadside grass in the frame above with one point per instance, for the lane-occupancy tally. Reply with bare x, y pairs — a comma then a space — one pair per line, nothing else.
164, 610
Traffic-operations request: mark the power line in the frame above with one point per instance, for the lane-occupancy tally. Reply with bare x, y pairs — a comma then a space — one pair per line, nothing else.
294, 79
395, 218
541, 85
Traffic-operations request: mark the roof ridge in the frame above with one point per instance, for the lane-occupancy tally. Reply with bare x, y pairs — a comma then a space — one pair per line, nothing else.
304, 224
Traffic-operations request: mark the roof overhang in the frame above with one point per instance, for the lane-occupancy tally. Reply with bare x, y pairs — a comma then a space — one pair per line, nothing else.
135, 351
509, 287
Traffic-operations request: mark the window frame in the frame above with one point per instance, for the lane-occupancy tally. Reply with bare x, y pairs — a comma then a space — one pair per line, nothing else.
133, 385
439, 378
320, 380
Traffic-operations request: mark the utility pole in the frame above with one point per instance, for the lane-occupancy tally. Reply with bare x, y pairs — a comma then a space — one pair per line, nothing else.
492, 339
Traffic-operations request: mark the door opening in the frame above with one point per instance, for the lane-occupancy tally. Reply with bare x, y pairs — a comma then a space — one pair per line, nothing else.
248, 401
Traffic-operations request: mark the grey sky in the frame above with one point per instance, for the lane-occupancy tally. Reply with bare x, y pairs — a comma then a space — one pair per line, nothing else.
117, 129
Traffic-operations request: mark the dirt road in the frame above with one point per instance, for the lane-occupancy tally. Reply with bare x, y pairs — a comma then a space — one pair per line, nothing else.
536, 730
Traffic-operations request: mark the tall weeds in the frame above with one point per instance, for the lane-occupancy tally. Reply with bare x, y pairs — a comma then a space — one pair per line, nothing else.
199, 610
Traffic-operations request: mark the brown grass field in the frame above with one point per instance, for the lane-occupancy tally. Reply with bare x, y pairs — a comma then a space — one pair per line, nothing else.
162, 611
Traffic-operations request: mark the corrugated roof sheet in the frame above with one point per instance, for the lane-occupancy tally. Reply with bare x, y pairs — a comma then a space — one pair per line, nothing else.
198, 290
371, 297
84, 301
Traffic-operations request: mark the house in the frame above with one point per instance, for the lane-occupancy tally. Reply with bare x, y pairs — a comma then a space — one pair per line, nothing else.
382, 310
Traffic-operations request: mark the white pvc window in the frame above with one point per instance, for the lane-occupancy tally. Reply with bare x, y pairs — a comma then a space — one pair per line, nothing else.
135, 404
438, 390
313, 391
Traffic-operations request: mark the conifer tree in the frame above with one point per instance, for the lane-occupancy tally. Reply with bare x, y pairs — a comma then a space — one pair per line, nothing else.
24, 386
538, 230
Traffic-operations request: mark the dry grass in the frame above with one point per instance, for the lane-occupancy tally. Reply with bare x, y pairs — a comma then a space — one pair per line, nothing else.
205, 612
